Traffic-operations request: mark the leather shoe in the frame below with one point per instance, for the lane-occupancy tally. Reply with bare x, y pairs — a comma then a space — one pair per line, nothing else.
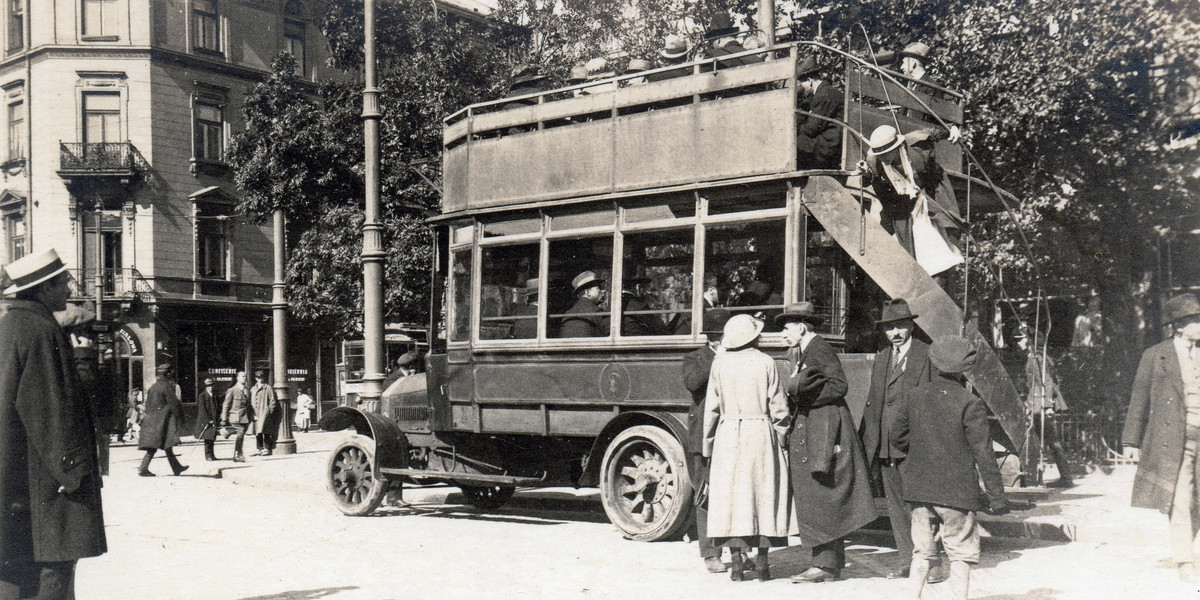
901, 573
814, 575
937, 573
145, 473
266, 452
239, 458
182, 469
714, 565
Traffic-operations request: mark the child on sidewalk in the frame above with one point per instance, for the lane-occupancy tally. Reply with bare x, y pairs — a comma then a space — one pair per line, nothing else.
943, 429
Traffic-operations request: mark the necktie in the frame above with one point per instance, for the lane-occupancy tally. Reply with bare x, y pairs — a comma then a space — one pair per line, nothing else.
897, 362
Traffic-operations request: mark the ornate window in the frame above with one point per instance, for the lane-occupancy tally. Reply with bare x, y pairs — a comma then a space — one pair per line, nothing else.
101, 117
206, 27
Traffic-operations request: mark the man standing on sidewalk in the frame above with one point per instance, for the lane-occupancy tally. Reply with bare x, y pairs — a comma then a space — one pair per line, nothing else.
899, 368
262, 398
1163, 434
49, 478
237, 413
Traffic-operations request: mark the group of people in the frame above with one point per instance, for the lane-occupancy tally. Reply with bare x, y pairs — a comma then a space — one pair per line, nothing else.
774, 456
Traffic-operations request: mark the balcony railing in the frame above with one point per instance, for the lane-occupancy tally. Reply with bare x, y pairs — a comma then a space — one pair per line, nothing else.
129, 283
102, 158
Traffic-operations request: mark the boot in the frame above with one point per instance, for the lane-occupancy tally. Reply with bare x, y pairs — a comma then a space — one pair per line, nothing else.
239, 457
144, 467
762, 565
737, 570
209, 454
176, 468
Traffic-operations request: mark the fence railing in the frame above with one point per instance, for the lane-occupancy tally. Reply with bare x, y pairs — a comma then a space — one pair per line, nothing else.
98, 157
1090, 437
129, 283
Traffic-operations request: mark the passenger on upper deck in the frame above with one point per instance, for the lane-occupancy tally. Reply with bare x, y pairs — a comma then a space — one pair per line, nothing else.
586, 318
675, 52
912, 60
637, 65
722, 36
903, 166
577, 76
598, 69
818, 142
526, 79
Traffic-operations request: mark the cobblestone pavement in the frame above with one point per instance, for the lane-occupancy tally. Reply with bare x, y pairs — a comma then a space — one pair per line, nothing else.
266, 531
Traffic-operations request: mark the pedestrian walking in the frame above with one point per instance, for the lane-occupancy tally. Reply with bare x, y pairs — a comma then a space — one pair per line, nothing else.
304, 407
237, 413
745, 428
160, 427
696, 369
943, 431
1043, 404
262, 398
897, 369
208, 414
1163, 434
49, 477
830, 482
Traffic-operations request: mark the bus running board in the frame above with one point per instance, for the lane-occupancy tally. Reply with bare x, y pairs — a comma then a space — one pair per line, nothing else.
464, 477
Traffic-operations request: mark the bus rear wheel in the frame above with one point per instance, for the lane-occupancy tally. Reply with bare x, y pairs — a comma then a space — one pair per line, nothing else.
488, 497
644, 484
351, 479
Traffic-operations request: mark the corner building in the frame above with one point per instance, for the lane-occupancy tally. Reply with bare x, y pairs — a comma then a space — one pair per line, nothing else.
116, 117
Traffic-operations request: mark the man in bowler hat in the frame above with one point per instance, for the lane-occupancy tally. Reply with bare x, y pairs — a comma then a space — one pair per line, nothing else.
696, 368
208, 413
1162, 432
160, 426
897, 369
49, 478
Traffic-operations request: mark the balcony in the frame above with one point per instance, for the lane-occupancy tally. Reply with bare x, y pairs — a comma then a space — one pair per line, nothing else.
118, 161
129, 284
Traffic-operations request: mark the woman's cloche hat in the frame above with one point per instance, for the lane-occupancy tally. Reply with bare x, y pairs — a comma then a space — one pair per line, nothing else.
740, 330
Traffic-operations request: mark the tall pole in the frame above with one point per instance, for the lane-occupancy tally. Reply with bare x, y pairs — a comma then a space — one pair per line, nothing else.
284, 444
372, 251
766, 20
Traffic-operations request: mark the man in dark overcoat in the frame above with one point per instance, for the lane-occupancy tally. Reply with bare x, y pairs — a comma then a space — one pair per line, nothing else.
47, 439
696, 369
208, 414
830, 481
897, 369
1162, 429
237, 414
160, 426
818, 141
586, 318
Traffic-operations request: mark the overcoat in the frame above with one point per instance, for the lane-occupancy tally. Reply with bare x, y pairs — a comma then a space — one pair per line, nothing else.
236, 409
943, 429
262, 398
588, 323
819, 138
830, 481
1156, 423
1042, 395
47, 439
696, 368
745, 424
160, 426
208, 416
887, 386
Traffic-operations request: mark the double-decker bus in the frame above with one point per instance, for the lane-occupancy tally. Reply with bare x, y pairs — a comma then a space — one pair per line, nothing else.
681, 193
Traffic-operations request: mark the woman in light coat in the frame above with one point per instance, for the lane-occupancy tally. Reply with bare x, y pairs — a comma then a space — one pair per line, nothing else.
745, 426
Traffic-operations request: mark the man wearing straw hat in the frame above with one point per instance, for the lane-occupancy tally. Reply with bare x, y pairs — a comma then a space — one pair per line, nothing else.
47, 436
675, 52
587, 317
1162, 429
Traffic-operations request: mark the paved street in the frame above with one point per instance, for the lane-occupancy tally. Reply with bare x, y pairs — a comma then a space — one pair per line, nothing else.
265, 530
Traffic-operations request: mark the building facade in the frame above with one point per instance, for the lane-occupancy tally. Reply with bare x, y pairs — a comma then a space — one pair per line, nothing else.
117, 114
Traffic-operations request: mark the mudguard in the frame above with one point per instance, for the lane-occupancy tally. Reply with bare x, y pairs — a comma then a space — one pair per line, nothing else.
666, 420
391, 445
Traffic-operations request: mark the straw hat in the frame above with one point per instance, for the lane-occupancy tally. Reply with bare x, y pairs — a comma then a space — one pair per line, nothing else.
578, 74
740, 330
952, 354
916, 50
32, 270
884, 139
638, 65
675, 47
585, 279
597, 68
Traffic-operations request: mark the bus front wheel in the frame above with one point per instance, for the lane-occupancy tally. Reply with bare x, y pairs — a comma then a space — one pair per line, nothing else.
644, 484
351, 479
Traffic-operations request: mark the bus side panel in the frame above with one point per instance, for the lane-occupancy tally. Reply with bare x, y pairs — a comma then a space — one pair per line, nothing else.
598, 381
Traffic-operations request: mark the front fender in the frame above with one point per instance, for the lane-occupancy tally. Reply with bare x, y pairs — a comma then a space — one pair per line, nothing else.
666, 420
391, 445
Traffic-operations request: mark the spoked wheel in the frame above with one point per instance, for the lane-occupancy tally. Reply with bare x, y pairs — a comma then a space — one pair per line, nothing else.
351, 478
644, 483
489, 497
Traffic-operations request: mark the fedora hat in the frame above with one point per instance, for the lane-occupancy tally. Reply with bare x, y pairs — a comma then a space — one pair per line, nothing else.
807, 67
407, 358
526, 73
1180, 307
916, 50
578, 74
952, 354
799, 311
640, 276
740, 330
714, 321
895, 310
720, 26
164, 368
208, 381
675, 47
585, 279
32, 270
884, 139
531, 286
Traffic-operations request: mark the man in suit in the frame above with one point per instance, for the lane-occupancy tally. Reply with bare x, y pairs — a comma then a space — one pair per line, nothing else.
237, 413
587, 317
49, 477
525, 325
1162, 429
262, 397
818, 141
897, 369
830, 482
696, 368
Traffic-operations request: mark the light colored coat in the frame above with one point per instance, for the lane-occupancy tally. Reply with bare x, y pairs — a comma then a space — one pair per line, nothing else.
745, 424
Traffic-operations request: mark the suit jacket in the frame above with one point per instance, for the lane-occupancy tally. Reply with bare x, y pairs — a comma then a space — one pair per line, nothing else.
887, 386
525, 329
50, 508
1157, 423
208, 413
944, 431
818, 138
237, 408
696, 368
585, 325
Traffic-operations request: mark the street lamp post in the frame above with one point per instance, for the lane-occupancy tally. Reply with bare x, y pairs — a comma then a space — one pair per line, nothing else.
372, 250
284, 444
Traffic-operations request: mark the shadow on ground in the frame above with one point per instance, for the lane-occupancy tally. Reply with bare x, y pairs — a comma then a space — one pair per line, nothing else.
1038, 594
303, 594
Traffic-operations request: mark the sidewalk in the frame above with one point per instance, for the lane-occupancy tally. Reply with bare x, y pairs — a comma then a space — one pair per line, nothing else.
1095, 510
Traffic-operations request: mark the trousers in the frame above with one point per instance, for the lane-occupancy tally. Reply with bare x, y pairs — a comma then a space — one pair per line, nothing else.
1185, 505
899, 512
39, 581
